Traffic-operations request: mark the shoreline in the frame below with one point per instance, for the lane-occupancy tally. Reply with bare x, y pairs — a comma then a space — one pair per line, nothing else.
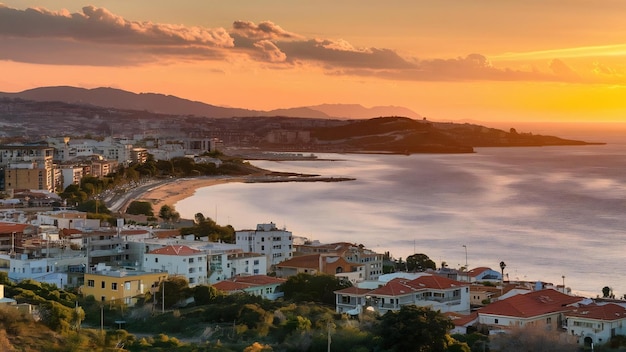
172, 192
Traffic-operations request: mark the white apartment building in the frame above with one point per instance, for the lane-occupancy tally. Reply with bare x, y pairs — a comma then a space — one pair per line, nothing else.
109, 148
267, 239
54, 270
178, 260
71, 175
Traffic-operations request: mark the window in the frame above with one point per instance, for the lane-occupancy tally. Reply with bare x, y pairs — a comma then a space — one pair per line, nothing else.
262, 248
495, 321
190, 260
91, 283
104, 285
256, 262
127, 285
114, 286
256, 271
156, 260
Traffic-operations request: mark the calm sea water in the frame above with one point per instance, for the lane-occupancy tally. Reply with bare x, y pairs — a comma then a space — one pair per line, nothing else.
547, 212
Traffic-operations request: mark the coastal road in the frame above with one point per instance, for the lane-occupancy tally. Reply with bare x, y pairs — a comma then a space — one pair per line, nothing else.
119, 201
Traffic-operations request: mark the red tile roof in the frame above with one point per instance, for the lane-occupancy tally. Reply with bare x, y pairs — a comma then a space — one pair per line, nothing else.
461, 319
477, 271
531, 304
175, 250
243, 282
10, 227
304, 261
258, 280
605, 312
134, 232
395, 287
436, 282
229, 286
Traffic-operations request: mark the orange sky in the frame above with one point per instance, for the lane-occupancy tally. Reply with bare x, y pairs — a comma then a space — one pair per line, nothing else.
472, 60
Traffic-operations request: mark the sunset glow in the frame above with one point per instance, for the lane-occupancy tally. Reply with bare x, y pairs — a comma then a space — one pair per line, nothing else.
481, 61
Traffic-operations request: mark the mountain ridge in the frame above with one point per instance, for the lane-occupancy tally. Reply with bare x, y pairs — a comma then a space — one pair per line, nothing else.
170, 104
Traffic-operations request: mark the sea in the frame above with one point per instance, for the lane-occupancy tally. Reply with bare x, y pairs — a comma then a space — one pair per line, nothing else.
551, 214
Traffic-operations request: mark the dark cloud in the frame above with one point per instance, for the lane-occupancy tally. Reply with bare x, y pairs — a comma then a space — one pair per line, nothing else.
263, 30
98, 24
96, 36
270, 51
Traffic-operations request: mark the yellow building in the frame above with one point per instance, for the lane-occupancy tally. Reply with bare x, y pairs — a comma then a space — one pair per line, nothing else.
28, 166
122, 286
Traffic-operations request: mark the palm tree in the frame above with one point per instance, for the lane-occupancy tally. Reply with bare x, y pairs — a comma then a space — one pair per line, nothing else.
502, 266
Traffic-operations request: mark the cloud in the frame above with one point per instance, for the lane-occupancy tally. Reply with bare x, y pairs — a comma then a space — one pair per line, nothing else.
96, 36
264, 30
338, 53
270, 51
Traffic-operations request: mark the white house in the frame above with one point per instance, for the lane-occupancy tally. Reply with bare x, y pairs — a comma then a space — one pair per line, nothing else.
257, 285
267, 239
178, 260
438, 293
595, 324
543, 308
53, 270
225, 265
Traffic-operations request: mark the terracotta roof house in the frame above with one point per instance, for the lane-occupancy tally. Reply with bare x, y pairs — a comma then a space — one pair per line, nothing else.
543, 308
257, 285
372, 262
178, 260
596, 324
13, 235
480, 274
319, 263
461, 321
436, 292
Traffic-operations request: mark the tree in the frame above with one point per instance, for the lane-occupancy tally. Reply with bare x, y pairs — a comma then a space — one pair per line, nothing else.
606, 292
203, 294
176, 289
415, 328
167, 213
419, 262
314, 288
140, 208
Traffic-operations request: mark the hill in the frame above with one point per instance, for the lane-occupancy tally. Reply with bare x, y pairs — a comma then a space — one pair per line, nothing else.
172, 105
28, 120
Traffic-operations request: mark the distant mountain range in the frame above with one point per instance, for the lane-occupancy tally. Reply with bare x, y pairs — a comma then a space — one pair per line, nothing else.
169, 104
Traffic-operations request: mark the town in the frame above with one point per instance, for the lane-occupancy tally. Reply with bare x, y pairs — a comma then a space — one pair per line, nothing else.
45, 239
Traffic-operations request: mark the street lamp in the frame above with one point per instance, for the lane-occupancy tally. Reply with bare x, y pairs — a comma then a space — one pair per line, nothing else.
466, 266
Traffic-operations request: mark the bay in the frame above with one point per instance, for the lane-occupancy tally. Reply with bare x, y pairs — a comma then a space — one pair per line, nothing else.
547, 212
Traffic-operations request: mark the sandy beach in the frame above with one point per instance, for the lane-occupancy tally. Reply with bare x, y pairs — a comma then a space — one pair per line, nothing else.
179, 189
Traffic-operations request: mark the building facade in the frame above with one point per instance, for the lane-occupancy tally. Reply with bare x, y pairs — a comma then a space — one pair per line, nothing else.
121, 286
267, 239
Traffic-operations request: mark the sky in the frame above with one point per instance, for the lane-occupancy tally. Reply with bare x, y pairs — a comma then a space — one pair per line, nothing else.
493, 61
